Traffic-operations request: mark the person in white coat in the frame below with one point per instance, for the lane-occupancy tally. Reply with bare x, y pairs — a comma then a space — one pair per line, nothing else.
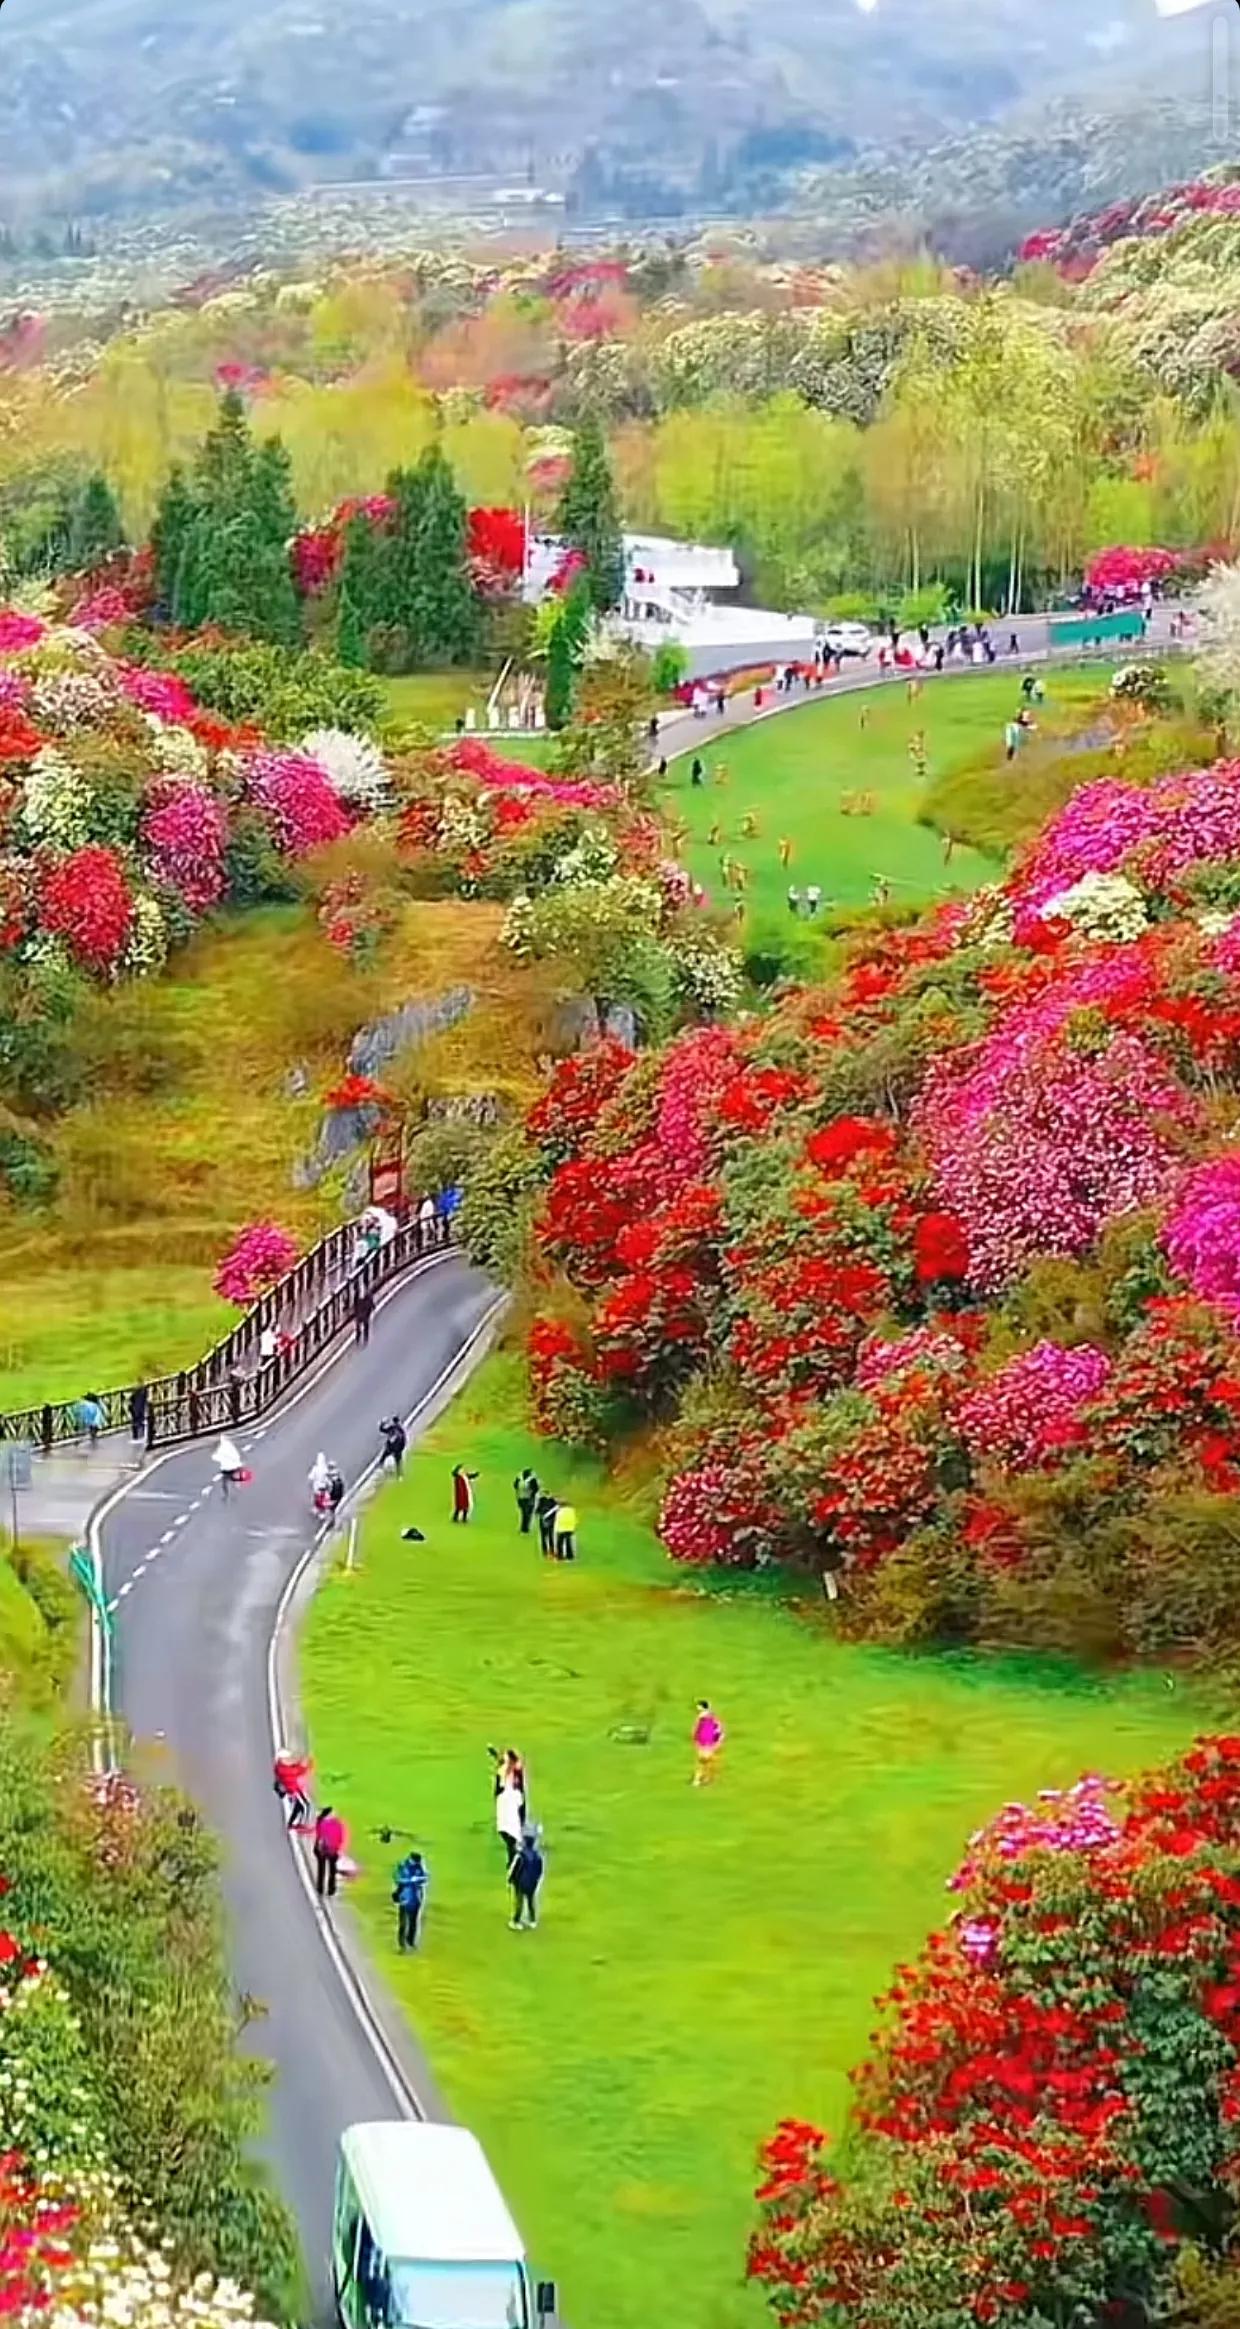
228, 1464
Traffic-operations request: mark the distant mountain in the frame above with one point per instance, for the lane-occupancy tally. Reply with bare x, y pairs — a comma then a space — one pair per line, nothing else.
109, 106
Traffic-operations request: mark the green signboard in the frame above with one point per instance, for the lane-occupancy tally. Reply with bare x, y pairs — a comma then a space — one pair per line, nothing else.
1091, 630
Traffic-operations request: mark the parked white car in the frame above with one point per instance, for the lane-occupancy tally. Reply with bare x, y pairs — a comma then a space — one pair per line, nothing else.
849, 639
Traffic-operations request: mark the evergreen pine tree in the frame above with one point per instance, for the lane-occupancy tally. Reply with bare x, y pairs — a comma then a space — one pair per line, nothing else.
566, 652
95, 529
273, 610
173, 520
398, 572
443, 609
225, 476
588, 518
361, 605
561, 675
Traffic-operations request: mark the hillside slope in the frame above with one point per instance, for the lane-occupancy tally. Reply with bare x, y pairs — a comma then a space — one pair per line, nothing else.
211, 98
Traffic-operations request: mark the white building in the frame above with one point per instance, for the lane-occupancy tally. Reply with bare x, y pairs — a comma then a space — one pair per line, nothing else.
670, 597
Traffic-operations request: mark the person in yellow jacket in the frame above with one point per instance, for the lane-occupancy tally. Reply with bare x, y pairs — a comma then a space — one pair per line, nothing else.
564, 1528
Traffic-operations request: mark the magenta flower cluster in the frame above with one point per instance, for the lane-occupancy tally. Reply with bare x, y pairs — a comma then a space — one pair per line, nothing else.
297, 799
160, 692
1073, 1819
1038, 1143
1030, 1409
260, 1256
186, 831
1202, 1237
697, 1068
1152, 834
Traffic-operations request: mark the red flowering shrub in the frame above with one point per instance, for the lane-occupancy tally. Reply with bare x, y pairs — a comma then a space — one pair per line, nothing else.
84, 899
1050, 2114
568, 1398
579, 1088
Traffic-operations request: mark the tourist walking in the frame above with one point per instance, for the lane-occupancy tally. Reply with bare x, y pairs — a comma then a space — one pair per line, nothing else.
329, 1843
462, 1494
395, 1441
509, 1811
228, 1464
409, 1889
525, 1874
697, 774
525, 1489
319, 1478
545, 1510
363, 1312
708, 1737
89, 1416
335, 1493
290, 1774
794, 898
564, 1532
139, 1408
426, 1224
813, 899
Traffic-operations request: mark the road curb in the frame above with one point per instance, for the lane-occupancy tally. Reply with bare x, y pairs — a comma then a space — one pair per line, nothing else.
399, 2053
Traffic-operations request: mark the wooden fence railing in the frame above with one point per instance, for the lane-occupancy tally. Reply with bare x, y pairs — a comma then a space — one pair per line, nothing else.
236, 1382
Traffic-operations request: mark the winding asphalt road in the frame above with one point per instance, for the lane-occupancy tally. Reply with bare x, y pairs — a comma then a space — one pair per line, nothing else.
198, 1583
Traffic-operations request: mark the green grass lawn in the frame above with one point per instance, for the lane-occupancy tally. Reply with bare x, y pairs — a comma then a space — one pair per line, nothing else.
707, 1959
793, 772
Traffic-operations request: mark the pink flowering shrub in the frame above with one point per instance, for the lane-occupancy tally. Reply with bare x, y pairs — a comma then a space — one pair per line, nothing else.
1030, 1409
262, 1255
296, 797
1037, 1147
160, 692
101, 610
698, 1068
1202, 1238
186, 831
1151, 833
923, 1347
1070, 1819
19, 631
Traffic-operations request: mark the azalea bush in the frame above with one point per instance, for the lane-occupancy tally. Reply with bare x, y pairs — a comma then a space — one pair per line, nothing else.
953, 1242
1045, 2131
260, 1256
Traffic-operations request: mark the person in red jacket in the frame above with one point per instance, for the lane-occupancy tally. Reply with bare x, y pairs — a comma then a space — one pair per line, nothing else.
291, 1775
462, 1494
329, 1842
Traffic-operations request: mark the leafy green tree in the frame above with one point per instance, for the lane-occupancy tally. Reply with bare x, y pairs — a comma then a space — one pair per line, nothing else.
588, 517
95, 529
568, 631
271, 502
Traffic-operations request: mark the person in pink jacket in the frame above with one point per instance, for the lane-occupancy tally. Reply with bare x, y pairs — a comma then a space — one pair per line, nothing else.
330, 1838
708, 1737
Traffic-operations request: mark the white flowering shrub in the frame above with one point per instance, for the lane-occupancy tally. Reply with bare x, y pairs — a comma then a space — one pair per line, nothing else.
66, 700
57, 801
990, 919
118, 2283
175, 751
48, 2109
593, 857
356, 767
462, 826
1101, 905
146, 948
1143, 684
708, 977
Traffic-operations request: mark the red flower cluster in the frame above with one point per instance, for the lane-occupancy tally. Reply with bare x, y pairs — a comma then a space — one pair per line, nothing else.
1051, 2111
84, 899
